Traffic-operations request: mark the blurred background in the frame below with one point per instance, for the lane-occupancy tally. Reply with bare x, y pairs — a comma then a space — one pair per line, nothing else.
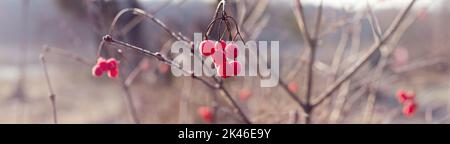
73, 29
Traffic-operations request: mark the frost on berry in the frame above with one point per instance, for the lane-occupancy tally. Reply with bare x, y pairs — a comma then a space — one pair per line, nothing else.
231, 51
409, 108
207, 47
220, 45
219, 58
205, 113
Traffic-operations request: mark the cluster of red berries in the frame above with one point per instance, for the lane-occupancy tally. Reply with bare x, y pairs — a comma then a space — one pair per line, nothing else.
407, 99
205, 113
110, 66
221, 52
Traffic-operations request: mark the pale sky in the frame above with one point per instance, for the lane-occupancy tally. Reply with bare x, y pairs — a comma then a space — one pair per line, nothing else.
376, 4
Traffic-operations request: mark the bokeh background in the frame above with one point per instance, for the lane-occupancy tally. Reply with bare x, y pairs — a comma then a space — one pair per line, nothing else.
419, 64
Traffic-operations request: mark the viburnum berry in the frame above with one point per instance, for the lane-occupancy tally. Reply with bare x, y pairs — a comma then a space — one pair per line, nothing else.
164, 68
219, 58
229, 69
231, 50
205, 113
111, 63
293, 87
224, 70
110, 66
244, 94
404, 96
113, 73
207, 47
409, 108
97, 71
145, 64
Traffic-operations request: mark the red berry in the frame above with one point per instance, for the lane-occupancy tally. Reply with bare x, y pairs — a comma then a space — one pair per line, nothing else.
231, 51
205, 113
236, 68
220, 45
219, 58
103, 65
164, 68
114, 73
404, 96
112, 64
401, 96
409, 108
97, 71
224, 70
145, 64
293, 87
207, 47
244, 94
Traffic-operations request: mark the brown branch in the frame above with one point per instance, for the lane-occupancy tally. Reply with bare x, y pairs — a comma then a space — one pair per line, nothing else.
312, 44
328, 91
167, 61
52, 96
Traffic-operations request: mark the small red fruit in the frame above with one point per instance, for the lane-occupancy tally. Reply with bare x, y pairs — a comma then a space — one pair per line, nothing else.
293, 87
145, 64
219, 58
113, 73
164, 68
404, 96
103, 65
409, 108
97, 71
112, 64
207, 47
224, 70
205, 113
231, 51
244, 94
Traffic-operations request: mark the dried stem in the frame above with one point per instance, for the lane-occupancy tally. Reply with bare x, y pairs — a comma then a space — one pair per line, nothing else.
52, 96
167, 61
328, 91
311, 41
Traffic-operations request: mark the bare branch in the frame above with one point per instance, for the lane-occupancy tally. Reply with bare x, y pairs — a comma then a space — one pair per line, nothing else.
366, 56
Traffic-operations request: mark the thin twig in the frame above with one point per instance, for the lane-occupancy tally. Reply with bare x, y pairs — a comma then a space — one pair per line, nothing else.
52, 96
328, 91
167, 61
